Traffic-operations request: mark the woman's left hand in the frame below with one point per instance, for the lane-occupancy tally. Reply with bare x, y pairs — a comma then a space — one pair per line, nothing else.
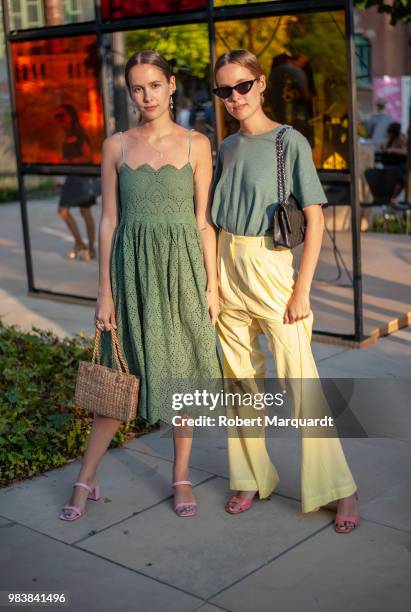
213, 302
298, 307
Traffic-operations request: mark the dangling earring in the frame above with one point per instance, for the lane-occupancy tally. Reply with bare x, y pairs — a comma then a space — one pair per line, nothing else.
135, 110
171, 102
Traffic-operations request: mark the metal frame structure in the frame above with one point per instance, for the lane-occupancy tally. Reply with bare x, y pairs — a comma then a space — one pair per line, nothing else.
210, 16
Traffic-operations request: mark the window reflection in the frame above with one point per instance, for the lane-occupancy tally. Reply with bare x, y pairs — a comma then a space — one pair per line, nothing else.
63, 214
59, 108
303, 57
26, 14
79, 193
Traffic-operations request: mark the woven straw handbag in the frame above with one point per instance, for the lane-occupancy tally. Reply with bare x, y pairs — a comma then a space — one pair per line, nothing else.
105, 391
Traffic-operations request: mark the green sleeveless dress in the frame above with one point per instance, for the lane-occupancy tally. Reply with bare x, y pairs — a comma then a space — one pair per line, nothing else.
158, 283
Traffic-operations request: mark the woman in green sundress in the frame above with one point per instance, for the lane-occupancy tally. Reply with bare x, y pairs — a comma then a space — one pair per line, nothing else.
157, 273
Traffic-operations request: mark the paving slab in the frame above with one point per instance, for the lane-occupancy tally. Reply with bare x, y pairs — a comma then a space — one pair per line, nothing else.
208, 608
211, 550
391, 508
25, 311
209, 450
396, 345
31, 562
130, 482
366, 363
368, 570
376, 465
322, 351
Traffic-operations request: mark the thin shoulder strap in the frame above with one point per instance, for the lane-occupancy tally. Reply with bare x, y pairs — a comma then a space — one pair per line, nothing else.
123, 154
190, 134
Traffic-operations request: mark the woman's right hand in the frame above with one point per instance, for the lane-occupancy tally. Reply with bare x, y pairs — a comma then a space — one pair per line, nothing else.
105, 318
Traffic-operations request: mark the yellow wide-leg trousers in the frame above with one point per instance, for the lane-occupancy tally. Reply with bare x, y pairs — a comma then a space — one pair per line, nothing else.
256, 283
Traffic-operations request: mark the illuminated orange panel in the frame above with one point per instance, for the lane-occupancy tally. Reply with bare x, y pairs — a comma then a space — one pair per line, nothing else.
59, 106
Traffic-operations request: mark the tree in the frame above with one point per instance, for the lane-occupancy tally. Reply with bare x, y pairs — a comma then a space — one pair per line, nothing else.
399, 10
187, 45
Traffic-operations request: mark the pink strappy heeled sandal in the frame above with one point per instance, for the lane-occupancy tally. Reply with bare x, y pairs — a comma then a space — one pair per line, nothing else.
241, 505
192, 506
354, 519
94, 494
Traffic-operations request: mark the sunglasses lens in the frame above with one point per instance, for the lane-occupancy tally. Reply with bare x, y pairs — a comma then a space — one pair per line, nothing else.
244, 87
223, 92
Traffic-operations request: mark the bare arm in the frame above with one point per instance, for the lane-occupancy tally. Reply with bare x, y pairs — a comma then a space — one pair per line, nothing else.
299, 304
203, 171
107, 230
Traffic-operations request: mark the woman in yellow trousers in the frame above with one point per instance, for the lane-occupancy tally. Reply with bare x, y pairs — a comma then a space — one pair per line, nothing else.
260, 291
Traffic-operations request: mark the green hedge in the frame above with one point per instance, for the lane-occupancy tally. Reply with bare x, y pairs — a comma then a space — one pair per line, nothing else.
390, 224
46, 189
41, 427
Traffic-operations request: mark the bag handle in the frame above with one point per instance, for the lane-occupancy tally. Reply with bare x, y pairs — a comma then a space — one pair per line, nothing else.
281, 177
116, 348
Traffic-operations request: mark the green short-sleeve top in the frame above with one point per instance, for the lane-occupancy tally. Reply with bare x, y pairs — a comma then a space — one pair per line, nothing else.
245, 180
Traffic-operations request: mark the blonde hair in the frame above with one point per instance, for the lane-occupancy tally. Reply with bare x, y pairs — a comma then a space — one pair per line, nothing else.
242, 57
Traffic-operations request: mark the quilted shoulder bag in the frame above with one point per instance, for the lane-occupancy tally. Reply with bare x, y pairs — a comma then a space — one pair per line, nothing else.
289, 220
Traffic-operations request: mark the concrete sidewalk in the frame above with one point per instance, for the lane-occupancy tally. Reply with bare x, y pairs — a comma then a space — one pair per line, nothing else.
131, 552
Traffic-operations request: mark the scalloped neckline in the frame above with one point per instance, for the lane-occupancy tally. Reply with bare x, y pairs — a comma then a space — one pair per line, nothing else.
145, 165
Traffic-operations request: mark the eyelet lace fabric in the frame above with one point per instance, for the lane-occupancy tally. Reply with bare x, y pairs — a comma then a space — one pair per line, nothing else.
158, 283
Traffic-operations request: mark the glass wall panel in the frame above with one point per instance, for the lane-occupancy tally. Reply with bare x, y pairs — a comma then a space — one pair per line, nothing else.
331, 297
303, 57
58, 208
26, 14
59, 107
120, 9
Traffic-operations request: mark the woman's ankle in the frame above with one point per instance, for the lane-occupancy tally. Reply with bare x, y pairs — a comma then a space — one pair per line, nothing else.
87, 478
246, 494
180, 473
